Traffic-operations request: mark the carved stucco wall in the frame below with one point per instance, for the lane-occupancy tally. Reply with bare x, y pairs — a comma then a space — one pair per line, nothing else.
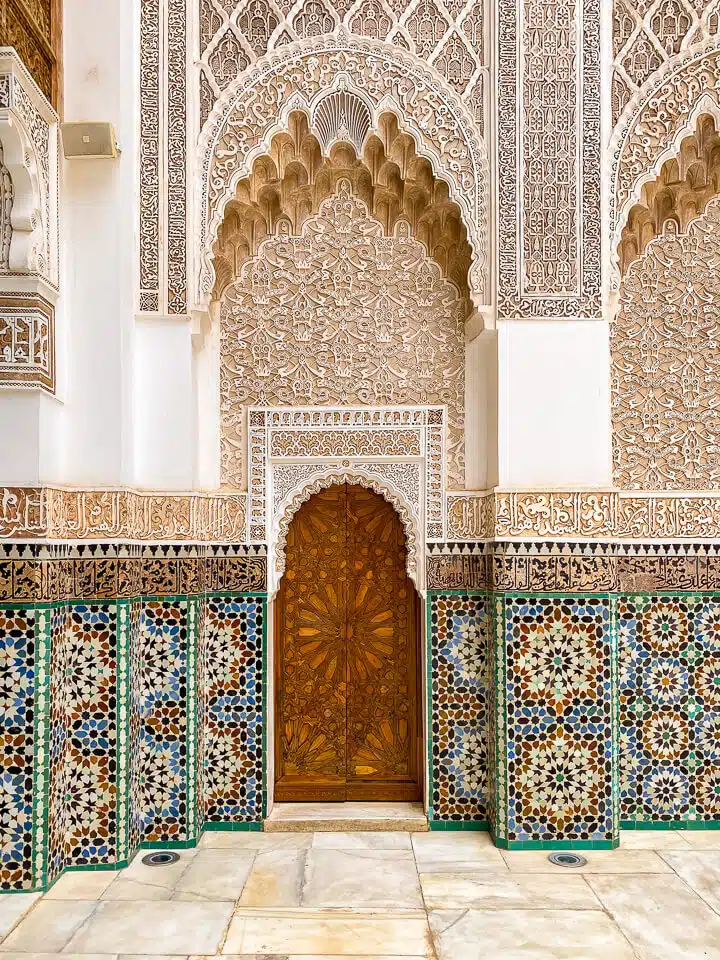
549, 159
666, 363
340, 315
449, 35
650, 33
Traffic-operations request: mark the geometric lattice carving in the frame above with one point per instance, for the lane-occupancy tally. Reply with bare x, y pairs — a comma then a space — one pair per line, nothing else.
666, 363
681, 192
649, 33
290, 183
249, 29
340, 315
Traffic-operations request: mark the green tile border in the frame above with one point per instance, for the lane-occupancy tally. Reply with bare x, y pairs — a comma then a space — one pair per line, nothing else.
459, 826
670, 824
551, 845
41, 746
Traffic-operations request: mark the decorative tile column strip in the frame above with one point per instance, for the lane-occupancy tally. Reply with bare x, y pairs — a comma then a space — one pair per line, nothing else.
232, 777
457, 631
19, 732
669, 701
41, 760
557, 660
554, 763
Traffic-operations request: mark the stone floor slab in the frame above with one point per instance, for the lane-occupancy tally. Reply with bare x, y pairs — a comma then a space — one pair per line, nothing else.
434, 851
215, 875
527, 935
361, 878
598, 861
81, 885
241, 840
702, 839
12, 908
442, 891
660, 916
153, 928
322, 933
276, 879
49, 926
370, 840
700, 869
653, 840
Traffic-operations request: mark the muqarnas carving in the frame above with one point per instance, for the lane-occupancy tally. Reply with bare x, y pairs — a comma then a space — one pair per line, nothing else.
341, 314
666, 363
678, 195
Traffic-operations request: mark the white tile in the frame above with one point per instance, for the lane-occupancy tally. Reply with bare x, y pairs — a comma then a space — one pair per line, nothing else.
153, 928
361, 878
12, 908
660, 916
527, 935
598, 861
325, 933
509, 891
49, 926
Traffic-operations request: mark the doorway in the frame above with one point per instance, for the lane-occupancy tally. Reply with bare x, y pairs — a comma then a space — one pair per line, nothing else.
348, 720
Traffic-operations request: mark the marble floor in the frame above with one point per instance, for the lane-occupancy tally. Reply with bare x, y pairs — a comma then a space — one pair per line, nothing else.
381, 895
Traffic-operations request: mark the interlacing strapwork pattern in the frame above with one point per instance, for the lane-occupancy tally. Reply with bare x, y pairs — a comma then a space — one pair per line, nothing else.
649, 33
449, 35
666, 363
340, 315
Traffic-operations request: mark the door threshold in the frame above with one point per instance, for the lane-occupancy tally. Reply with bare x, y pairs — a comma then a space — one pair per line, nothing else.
347, 817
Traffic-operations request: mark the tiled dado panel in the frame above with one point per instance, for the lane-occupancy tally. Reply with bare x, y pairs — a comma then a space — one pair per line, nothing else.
24, 678
458, 684
669, 695
232, 696
104, 747
552, 756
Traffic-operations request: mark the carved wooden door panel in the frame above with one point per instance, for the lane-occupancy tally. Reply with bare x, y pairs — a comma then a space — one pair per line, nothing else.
346, 646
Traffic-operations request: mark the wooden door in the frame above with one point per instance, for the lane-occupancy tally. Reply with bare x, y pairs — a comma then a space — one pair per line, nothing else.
347, 671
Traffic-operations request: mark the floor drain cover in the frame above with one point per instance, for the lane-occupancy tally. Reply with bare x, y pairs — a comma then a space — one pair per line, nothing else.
160, 859
567, 860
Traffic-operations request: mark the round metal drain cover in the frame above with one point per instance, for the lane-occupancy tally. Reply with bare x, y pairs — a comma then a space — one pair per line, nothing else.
161, 858
567, 860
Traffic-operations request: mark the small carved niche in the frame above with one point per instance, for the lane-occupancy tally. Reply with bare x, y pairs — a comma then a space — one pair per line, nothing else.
302, 168
679, 195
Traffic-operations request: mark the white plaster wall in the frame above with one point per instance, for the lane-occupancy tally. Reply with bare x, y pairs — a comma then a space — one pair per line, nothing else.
20, 437
554, 404
481, 411
98, 241
164, 407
